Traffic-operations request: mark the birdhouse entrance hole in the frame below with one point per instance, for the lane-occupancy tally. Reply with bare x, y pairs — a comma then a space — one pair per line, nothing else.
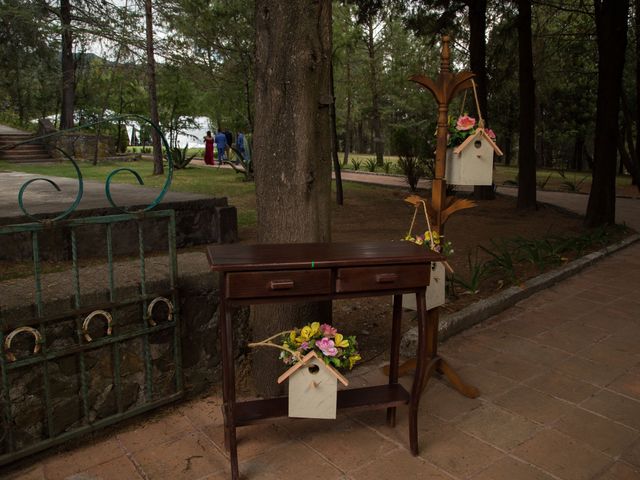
313, 369
477, 144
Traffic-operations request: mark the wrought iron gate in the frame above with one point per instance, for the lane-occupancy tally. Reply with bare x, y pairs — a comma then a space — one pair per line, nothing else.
73, 365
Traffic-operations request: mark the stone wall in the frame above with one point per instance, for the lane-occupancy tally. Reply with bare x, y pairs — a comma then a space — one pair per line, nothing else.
78, 144
198, 222
198, 313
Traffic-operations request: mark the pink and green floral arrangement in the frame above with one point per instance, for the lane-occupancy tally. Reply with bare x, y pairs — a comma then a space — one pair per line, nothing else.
331, 346
462, 127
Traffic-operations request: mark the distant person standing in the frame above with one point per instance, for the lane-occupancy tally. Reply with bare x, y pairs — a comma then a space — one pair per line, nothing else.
221, 143
229, 136
208, 149
240, 144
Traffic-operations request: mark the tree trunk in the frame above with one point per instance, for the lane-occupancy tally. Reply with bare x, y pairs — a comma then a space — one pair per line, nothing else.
68, 67
334, 143
637, 32
578, 149
293, 178
158, 168
478, 61
527, 153
347, 124
376, 122
611, 33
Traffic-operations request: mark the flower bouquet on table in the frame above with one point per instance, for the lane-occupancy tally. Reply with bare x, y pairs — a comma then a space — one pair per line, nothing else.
332, 347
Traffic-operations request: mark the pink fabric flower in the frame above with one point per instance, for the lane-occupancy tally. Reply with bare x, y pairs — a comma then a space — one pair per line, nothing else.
327, 347
304, 346
327, 330
465, 122
489, 132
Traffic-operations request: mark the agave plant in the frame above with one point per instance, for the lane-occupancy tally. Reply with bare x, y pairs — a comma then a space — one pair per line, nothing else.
180, 158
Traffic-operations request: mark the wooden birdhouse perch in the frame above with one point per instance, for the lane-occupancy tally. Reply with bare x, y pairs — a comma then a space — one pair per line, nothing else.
313, 388
471, 162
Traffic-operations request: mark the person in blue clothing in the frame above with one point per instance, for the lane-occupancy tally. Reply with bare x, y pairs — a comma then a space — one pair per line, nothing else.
240, 143
221, 144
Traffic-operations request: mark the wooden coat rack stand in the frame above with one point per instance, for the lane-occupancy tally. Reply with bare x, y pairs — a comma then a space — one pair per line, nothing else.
444, 88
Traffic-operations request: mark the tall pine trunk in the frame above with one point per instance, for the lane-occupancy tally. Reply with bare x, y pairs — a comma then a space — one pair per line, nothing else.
637, 32
478, 61
378, 142
611, 33
527, 153
348, 121
293, 177
158, 168
68, 67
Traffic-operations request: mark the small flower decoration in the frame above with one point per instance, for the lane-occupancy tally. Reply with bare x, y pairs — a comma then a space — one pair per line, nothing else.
331, 346
465, 122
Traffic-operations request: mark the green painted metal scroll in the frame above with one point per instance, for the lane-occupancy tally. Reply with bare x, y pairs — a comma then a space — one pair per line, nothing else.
113, 352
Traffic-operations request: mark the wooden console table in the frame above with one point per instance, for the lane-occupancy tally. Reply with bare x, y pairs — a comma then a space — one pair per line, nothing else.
253, 274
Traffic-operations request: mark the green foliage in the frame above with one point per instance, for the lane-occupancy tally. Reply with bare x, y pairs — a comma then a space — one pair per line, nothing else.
386, 166
571, 185
355, 164
413, 169
503, 260
180, 157
543, 183
477, 272
370, 164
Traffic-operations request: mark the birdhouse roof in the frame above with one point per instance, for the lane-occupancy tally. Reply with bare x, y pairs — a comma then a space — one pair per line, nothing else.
480, 132
306, 360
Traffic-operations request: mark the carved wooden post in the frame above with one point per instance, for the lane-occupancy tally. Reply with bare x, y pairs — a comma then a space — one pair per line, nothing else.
443, 89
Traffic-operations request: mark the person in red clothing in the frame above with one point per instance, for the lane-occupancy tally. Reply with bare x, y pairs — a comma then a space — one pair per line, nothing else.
208, 149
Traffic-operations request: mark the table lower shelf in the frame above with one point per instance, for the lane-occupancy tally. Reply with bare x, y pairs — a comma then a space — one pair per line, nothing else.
380, 396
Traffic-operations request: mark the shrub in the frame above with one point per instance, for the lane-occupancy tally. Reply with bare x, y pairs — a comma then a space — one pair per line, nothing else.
180, 158
356, 164
370, 164
413, 169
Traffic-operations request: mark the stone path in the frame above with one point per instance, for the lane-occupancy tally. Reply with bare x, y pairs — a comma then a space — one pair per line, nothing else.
560, 380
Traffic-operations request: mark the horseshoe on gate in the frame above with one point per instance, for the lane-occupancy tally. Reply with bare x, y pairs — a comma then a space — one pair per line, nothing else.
7, 341
85, 324
153, 303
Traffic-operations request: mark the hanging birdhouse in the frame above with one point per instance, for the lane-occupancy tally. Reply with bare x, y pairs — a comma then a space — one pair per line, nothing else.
313, 388
471, 162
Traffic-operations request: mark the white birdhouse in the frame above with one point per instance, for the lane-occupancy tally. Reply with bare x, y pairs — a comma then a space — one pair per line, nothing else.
313, 388
471, 162
435, 295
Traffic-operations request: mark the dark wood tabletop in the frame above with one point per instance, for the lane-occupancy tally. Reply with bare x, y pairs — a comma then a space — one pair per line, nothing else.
238, 257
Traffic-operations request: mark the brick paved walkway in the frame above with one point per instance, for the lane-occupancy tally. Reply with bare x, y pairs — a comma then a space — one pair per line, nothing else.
560, 381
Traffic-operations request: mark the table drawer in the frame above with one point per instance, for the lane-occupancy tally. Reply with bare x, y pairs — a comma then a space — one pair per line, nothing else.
278, 284
382, 278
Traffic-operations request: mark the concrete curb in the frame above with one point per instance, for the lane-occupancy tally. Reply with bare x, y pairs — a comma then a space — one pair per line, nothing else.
483, 309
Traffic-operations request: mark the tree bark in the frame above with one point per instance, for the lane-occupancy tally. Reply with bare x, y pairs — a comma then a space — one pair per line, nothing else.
376, 122
68, 67
334, 143
611, 33
158, 168
478, 63
637, 32
293, 177
527, 154
347, 124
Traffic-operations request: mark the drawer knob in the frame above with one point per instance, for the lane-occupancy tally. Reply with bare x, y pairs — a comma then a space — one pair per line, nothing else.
281, 284
386, 277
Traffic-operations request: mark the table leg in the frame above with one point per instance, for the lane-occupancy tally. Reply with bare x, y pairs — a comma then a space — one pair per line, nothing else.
395, 352
228, 383
422, 359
